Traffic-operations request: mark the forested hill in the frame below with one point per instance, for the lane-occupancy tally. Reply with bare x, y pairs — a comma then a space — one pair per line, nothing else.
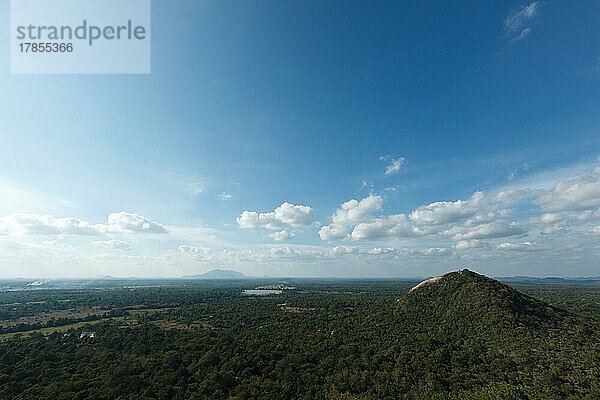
464, 300
483, 330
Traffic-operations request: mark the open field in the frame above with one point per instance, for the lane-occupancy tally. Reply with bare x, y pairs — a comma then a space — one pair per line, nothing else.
84, 326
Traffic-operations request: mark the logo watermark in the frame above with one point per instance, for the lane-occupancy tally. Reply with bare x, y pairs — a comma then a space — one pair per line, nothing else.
80, 36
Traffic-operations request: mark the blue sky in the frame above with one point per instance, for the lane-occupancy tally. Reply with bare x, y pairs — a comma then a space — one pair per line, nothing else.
467, 136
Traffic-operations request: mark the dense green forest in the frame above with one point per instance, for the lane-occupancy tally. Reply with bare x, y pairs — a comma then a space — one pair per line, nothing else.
462, 337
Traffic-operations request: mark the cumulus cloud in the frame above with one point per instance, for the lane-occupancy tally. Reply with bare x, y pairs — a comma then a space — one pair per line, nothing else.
581, 193
33, 224
509, 196
394, 225
133, 223
519, 22
248, 219
492, 230
350, 214
113, 244
395, 166
483, 225
440, 212
355, 220
478, 209
286, 215
282, 235
443, 212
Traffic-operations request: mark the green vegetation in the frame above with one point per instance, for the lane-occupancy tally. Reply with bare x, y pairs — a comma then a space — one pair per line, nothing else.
462, 337
52, 329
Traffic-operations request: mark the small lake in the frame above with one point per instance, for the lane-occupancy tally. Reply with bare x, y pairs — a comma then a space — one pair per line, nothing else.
261, 292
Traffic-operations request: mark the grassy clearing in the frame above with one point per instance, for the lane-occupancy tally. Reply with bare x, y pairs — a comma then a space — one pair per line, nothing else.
58, 329
44, 317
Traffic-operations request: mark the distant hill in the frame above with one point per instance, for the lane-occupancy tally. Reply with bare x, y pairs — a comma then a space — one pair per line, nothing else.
464, 301
227, 274
109, 278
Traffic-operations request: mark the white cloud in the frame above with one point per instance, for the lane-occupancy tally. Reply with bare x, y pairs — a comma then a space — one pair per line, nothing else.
435, 251
380, 251
443, 212
285, 251
338, 250
225, 196
349, 215
111, 244
547, 219
509, 196
282, 235
552, 229
496, 229
484, 218
588, 216
33, 224
286, 215
392, 226
468, 244
549, 223
581, 193
522, 35
395, 166
478, 209
523, 15
184, 248
248, 219
133, 223
355, 220
519, 22
516, 246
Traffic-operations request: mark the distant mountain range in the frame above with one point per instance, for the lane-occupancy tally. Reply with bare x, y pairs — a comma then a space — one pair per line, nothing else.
550, 280
225, 274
